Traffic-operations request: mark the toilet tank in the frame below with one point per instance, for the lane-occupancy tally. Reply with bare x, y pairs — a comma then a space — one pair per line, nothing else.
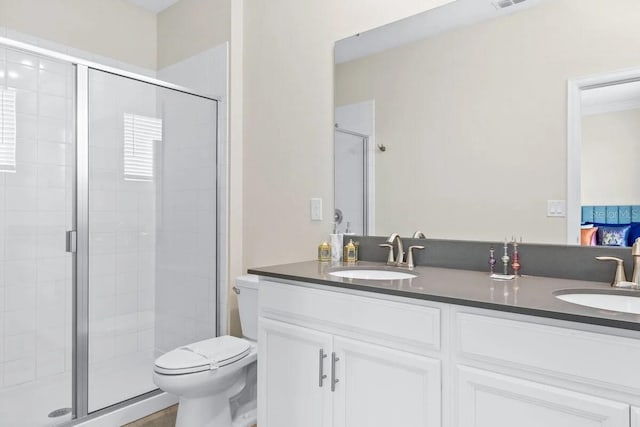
247, 290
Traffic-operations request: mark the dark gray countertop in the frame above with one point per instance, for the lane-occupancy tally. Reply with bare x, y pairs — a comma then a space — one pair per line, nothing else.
529, 295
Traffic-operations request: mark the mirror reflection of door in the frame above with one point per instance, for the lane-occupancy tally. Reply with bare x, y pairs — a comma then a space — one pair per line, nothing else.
354, 190
611, 145
603, 145
350, 158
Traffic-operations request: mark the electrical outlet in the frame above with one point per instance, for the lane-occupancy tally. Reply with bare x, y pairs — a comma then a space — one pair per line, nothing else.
556, 208
316, 209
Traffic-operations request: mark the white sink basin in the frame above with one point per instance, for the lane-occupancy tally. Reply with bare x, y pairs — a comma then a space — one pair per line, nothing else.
622, 302
372, 274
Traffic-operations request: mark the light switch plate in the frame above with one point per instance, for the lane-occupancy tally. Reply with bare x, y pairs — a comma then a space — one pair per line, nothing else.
556, 208
316, 209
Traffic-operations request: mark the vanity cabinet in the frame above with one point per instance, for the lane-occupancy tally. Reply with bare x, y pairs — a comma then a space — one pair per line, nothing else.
290, 395
375, 385
382, 387
488, 399
518, 370
416, 363
635, 416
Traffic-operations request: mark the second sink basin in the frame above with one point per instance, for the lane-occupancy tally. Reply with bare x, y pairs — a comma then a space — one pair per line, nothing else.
624, 301
372, 274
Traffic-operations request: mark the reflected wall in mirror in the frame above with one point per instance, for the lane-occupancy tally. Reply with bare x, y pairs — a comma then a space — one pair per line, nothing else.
603, 146
469, 103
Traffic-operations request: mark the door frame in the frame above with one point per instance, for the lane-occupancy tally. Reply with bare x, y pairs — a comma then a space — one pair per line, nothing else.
574, 140
367, 161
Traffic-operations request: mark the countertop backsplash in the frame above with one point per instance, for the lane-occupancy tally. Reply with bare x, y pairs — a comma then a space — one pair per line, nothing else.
562, 261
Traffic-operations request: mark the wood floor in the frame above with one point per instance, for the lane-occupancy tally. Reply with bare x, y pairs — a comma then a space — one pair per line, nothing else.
164, 418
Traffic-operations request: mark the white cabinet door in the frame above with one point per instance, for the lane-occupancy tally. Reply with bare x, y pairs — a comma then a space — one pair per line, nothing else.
289, 390
381, 387
487, 399
635, 416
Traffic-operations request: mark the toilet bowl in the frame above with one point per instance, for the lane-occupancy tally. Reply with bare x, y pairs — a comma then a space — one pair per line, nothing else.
208, 375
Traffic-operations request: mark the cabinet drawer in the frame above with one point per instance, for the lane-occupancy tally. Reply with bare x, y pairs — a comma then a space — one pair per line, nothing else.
401, 325
550, 350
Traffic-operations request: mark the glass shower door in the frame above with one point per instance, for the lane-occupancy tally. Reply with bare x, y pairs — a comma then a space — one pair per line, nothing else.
36, 209
152, 230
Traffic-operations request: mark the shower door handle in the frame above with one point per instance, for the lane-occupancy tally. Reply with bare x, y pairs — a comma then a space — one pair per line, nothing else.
72, 241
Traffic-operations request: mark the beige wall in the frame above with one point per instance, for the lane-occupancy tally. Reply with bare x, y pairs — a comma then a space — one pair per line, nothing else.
477, 147
611, 158
191, 26
288, 116
113, 28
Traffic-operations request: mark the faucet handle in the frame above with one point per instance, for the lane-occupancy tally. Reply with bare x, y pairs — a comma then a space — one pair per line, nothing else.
620, 276
410, 255
390, 259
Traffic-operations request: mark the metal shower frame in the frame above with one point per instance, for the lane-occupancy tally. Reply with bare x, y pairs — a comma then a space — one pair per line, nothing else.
78, 238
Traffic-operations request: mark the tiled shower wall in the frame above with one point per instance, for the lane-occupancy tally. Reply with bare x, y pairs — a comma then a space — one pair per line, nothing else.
35, 212
186, 250
122, 225
128, 309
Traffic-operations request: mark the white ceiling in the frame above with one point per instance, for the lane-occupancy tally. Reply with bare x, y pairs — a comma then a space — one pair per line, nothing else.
456, 14
155, 6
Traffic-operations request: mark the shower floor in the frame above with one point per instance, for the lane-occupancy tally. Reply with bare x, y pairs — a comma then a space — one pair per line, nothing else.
27, 405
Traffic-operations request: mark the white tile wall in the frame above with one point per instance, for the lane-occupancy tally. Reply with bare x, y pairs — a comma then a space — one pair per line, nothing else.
122, 237
186, 251
34, 214
35, 271
135, 226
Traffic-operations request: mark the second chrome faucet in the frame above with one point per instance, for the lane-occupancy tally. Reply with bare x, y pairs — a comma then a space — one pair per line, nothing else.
399, 259
620, 279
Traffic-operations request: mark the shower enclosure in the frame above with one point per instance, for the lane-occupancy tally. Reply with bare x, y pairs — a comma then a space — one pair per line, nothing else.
108, 232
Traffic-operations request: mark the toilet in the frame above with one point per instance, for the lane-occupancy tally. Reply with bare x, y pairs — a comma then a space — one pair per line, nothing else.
215, 379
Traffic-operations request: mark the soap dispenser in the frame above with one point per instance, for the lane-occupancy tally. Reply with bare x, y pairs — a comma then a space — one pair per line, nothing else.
350, 252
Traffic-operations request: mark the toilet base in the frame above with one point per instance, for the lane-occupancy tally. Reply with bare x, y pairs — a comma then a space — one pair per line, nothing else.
207, 411
246, 419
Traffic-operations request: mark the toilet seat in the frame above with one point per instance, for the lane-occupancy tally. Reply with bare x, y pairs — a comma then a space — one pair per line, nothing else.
202, 356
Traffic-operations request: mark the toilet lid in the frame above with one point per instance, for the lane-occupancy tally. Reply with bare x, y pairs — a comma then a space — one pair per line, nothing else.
202, 355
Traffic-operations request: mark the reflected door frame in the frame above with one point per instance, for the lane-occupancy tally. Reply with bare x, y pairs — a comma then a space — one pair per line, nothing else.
575, 87
359, 120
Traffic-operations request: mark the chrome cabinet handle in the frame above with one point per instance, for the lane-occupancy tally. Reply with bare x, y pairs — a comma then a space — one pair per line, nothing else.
334, 380
321, 375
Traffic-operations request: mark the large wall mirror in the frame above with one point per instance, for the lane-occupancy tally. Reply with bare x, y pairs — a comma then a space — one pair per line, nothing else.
456, 121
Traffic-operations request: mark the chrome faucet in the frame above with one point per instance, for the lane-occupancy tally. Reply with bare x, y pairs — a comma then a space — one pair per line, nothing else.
620, 279
398, 260
395, 237
635, 253
419, 235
